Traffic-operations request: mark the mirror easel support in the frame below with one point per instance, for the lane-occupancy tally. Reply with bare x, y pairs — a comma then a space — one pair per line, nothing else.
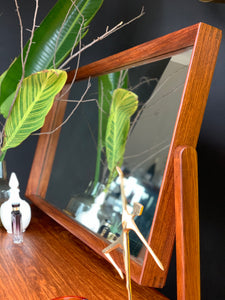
187, 223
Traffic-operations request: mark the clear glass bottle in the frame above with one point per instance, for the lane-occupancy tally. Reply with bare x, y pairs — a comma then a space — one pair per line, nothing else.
16, 218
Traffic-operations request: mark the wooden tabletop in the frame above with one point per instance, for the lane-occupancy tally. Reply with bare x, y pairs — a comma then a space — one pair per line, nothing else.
51, 262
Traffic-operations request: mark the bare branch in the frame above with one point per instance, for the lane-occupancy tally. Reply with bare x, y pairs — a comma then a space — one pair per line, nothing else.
70, 114
100, 38
23, 60
80, 30
60, 31
75, 100
21, 29
160, 145
31, 37
150, 157
144, 80
78, 37
122, 77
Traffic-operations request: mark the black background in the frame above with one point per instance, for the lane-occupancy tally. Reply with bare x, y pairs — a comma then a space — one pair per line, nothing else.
161, 17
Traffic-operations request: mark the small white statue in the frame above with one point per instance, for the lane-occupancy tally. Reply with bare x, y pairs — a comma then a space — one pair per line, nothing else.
14, 198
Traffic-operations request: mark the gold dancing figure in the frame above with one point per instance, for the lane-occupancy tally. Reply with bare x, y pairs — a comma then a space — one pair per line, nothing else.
122, 242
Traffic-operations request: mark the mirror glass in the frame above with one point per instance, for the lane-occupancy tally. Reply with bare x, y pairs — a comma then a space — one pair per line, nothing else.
72, 187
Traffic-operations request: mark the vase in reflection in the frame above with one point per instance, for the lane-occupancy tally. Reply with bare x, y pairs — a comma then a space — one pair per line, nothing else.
100, 209
84, 208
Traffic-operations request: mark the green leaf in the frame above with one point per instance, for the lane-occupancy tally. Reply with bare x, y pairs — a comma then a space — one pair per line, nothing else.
47, 37
4, 74
5, 107
123, 106
2, 77
106, 85
32, 104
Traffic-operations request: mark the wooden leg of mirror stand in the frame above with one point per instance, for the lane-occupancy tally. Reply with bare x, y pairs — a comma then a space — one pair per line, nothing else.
187, 223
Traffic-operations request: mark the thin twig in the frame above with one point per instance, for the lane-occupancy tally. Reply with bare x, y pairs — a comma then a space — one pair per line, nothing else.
159, 87
122, 77
135, 120
75, 100
91, 44
162, 144
23, 60
74, 76
103, 36
79, 55
21, 29
60, 31
144, 80
70, 114
149, 157
80, 30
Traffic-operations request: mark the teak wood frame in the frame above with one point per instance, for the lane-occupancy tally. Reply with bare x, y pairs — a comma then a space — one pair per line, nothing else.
205, 41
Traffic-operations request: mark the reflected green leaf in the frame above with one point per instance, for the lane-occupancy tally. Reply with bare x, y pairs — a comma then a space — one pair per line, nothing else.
106, 86
124, 105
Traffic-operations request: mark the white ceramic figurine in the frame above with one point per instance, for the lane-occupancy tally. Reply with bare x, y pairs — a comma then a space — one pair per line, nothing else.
14, 198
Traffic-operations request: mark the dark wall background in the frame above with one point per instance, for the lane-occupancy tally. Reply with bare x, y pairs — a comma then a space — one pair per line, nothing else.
161, 17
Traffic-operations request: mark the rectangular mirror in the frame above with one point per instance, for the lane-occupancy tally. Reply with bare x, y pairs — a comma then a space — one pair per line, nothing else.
69, 172
73, 187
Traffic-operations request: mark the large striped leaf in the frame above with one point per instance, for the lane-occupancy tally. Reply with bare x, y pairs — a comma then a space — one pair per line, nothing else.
33, 102
4, 108
50, 39
2, 77
106, 85
123, 106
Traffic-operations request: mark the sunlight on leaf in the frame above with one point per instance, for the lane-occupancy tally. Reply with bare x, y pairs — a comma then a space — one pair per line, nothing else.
123, 106
54, 37
106, 85
32, 104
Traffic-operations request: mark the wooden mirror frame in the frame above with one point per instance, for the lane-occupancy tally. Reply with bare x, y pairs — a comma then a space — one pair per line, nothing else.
205, 41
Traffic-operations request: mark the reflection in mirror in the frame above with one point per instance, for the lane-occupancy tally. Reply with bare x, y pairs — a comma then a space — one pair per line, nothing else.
73, 188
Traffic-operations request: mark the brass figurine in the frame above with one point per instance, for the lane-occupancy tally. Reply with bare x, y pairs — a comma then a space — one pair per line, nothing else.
128, 224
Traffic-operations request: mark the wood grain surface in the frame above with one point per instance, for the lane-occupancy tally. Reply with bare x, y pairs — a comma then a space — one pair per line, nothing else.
51, 262
187, 224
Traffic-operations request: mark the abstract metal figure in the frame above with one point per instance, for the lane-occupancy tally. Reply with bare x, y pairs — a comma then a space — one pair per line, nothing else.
122, 242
